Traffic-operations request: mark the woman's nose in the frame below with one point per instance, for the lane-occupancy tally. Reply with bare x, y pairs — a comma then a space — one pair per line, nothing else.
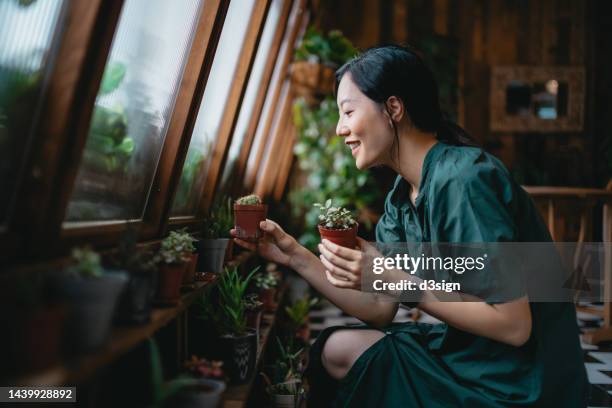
342, 130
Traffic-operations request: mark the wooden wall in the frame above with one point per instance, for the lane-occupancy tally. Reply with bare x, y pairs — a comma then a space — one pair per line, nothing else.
503, 32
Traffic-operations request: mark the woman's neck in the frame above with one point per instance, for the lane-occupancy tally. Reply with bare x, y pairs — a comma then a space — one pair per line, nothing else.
413, 148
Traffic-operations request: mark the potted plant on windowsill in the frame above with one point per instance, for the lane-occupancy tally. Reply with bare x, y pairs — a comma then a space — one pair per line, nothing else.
183, 391
238, 342
266, 283
285, 382
190, 254
337, 225
248, 213
173, 258
136, 301
298, 317
92, 293
215, 247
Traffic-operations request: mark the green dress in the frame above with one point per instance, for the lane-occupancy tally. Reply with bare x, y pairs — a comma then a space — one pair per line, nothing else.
466, 195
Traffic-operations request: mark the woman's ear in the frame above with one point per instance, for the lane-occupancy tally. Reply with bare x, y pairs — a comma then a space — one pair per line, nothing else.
395, 108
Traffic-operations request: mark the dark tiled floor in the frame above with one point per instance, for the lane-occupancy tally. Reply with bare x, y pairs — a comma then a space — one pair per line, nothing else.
597, 359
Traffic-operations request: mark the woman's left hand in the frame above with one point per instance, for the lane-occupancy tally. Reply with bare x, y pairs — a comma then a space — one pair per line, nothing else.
345, 266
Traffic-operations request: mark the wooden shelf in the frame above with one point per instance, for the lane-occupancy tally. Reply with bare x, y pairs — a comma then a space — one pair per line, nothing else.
236, 396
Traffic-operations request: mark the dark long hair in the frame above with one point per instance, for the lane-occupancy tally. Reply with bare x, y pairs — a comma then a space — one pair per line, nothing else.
392, 70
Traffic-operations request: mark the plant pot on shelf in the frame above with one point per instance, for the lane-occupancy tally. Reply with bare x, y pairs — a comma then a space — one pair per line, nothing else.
239, 356
169, 287
201, 393
288, 400
343, 237
190, 269
312, 79
268, 298
92, 303
136, 301
247, 219
212, 253
303, 333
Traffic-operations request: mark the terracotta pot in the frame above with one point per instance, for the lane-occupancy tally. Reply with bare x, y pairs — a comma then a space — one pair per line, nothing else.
211, 254
247, 219
36, 338
190, 270
239, 356
346, 238
303, 333
170, 278
267, 297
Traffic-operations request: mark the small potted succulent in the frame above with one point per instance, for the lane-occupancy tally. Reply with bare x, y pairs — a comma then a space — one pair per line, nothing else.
238, 342
285, 382
193, 391
266, 283
248, 213
92, 293
136, 301
337, 224
215, 247
298, 316
173, 257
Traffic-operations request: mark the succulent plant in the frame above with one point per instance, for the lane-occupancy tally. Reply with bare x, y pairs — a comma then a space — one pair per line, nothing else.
266, 280
334, 217
176, 247
249, 200
298, 311
87, 263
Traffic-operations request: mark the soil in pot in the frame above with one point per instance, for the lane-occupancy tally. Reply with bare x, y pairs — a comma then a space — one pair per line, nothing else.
239, 356
346, 237
169, 287
136, 301
211, 254
91, 310
190, 270
247, 219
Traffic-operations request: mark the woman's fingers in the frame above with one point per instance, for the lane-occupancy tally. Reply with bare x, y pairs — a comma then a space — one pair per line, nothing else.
342, 252
339, 272
337, 282
338, 261
248, 245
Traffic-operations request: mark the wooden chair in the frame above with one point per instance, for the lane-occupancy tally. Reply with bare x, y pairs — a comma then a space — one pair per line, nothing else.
580, 203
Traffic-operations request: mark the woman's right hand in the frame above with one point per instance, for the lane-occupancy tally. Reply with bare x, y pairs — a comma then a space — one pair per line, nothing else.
275, 246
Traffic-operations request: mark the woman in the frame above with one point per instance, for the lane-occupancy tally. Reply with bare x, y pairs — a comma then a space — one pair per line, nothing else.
447, 190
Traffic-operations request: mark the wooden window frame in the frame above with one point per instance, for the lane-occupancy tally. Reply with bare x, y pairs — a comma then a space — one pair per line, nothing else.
278, 187
228, 122
251, 180
70, 147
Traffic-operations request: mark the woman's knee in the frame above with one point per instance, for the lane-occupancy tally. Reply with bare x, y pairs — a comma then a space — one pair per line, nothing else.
344, 347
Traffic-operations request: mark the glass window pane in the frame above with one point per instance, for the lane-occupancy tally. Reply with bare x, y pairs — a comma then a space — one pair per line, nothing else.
131, 114
192, 180
28, 34
271, 89
252, 90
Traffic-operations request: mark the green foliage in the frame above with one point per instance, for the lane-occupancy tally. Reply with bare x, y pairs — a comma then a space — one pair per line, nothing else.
176, 247
86, 263
334, 217
332, 49
266, 280
249, 200
298, 312
228, 312
329, 166
191, 169
220, 220
286, 376
112, 78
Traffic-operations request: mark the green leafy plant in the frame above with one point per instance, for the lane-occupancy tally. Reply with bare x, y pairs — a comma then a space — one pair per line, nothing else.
87, 263
332, 49
176, 247
329, 170
186, 194
252, 199
162, 391
220, 220
286, 376
232, 306
298, 311
334, 217
266, 280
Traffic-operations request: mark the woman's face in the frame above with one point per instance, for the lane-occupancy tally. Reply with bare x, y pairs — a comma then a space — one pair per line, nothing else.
364, 124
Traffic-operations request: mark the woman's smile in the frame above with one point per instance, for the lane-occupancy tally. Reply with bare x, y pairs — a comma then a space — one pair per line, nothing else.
354, 145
